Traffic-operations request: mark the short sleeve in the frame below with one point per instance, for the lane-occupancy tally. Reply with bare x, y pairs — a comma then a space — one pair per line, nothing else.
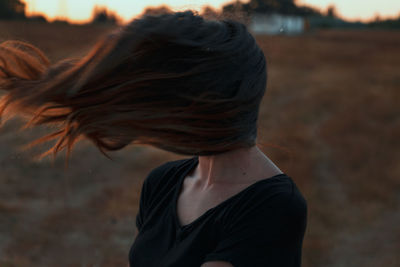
272, 236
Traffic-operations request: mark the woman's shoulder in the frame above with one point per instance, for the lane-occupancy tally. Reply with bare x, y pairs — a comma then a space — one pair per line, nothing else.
288, 202
284, 196
277, 197
166, 174
282, 191
274, 190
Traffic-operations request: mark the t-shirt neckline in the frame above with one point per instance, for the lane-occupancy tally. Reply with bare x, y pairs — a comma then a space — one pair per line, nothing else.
192, 164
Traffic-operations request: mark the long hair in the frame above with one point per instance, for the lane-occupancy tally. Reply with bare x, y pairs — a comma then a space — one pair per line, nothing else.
174, 81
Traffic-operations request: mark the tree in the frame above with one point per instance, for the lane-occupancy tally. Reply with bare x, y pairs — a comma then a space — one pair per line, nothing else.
308, 11
237, 11
104, 15
158, 10
209, 13
273, 6
377, 17
287, 7
331, 12
38, 18
12, 9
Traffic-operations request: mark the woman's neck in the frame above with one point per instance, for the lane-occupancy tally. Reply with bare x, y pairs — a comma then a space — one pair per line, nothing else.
240, 166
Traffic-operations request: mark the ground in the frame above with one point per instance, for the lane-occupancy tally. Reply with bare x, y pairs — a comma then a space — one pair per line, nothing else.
329, 119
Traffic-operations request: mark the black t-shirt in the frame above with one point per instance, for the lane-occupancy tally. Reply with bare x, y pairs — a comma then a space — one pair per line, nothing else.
261, 226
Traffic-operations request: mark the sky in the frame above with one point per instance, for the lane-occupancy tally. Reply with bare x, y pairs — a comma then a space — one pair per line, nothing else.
81, 10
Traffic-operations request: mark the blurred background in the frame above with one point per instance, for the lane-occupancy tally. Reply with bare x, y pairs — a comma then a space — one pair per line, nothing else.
330, 119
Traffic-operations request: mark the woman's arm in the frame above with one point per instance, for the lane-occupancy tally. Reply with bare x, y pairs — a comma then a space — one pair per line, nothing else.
270, 235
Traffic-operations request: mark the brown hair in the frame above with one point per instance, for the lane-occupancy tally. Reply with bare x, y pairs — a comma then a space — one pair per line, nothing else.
174, 81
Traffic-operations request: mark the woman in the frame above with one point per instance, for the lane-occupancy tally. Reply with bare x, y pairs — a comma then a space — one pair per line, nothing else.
186, 85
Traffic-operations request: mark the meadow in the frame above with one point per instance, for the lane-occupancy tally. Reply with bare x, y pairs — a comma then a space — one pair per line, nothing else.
330, 119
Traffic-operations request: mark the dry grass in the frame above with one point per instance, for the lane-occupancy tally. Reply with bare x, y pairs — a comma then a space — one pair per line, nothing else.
332, 102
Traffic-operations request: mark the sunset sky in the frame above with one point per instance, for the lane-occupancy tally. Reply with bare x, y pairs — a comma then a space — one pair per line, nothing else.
80, 10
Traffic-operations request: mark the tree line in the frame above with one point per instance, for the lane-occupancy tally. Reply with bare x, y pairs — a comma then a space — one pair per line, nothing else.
16, 10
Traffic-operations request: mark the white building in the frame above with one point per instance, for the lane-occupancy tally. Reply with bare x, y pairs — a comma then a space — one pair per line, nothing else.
276, 24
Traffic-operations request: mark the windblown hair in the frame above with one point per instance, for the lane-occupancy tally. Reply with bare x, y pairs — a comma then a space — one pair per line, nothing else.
174, 81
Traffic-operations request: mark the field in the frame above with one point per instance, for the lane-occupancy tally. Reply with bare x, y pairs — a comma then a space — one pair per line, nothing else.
330, 119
